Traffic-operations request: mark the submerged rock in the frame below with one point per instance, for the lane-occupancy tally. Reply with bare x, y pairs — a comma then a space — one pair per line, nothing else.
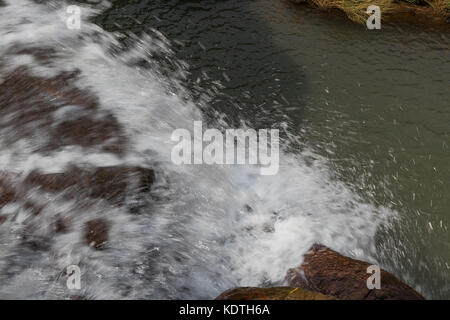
331, 273
62, 225
126, 187
275, 293
96, 233
53, 113
7, 192
112, 183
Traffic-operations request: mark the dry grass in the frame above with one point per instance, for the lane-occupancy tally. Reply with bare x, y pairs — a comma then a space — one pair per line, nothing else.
440, 7
356, 9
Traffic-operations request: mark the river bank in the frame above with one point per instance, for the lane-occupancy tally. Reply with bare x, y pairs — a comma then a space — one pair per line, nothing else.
431, 12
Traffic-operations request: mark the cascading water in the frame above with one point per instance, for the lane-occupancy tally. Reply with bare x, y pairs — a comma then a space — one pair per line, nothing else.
203, 229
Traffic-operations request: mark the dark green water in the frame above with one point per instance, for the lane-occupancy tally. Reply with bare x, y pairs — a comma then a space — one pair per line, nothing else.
375, 103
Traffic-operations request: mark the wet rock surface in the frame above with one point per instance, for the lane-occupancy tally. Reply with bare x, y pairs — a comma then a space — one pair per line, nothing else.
328, 275
96, 233
53, 113
62, 225
275, 293
331, 273
7, 192
112, 184
47, 115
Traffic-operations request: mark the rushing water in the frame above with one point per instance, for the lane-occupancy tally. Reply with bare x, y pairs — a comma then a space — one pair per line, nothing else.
364, 119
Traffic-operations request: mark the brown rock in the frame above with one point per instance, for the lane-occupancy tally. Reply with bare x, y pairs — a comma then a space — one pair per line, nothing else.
331, 273
7, 193
54, 182
108, 183
28, 105
96, 233
33, 207
8, 188
62, 225
11, 191
275, 293
87, 131
111, 183
3, 219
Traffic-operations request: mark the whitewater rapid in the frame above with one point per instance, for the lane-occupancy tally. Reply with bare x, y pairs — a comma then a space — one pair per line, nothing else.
205, 229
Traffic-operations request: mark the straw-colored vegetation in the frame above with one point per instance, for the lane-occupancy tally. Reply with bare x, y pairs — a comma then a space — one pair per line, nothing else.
356, 9
440, 7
